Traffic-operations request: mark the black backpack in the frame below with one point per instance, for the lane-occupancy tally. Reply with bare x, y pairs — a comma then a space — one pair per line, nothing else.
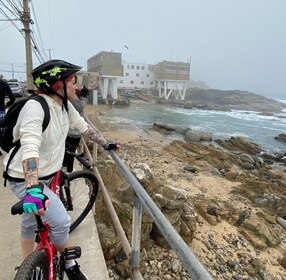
9, 121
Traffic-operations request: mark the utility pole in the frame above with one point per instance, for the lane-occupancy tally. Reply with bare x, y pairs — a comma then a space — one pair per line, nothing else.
50, 56
27, 30
12, 71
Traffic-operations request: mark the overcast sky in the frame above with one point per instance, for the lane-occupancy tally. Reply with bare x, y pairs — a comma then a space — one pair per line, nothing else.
233, 44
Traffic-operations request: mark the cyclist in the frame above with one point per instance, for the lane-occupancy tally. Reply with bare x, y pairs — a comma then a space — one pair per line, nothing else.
5, 90
74, 136
41, 155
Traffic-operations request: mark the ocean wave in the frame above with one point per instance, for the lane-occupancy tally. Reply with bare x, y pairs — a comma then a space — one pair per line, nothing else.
281, 100
124, 121
237, 114
236, 123
225, 135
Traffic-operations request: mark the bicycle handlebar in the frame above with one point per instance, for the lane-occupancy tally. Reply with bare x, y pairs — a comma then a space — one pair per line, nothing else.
80, 158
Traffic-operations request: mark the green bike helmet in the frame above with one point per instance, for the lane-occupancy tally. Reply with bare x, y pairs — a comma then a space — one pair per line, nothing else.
52, 71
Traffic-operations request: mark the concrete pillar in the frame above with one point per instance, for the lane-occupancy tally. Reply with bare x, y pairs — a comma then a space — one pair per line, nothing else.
104, 88
94, 97
114, 87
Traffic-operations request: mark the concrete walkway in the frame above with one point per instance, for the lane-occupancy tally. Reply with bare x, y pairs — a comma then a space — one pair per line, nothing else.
92, 261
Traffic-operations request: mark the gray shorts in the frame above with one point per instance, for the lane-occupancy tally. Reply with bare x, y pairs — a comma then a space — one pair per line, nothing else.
56, 215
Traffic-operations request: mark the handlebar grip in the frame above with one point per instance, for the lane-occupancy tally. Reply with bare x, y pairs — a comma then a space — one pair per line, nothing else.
83, 162
17, 208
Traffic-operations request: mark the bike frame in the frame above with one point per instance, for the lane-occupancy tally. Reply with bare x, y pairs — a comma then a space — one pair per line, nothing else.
47, 245
43, 230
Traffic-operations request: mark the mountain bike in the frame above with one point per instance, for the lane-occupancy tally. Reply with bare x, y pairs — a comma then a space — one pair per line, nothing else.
77, 191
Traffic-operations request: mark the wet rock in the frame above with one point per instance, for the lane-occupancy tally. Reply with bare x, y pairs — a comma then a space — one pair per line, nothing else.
239, 144
196, 136
163, 126
281, 137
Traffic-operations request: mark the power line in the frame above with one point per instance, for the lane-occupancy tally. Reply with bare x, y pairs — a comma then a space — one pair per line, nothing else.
8, 17
12, 71
15, 11
37, 26
9, 63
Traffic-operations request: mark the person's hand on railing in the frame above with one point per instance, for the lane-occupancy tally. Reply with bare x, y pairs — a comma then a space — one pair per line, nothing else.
112, 145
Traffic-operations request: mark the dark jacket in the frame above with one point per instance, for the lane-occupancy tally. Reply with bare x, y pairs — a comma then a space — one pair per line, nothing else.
5, 91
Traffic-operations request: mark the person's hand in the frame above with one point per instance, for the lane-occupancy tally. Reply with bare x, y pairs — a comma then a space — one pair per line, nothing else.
35, 201
112, 145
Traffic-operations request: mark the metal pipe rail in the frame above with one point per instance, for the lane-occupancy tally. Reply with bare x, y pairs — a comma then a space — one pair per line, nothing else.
191, 263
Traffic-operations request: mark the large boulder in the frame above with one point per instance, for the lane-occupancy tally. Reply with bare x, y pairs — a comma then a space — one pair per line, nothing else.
240, 145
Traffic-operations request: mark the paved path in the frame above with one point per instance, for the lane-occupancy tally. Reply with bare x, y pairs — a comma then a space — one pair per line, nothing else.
92, 260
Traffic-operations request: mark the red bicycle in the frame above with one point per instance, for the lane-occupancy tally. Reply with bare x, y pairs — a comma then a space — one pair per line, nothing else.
44, 263
77, 191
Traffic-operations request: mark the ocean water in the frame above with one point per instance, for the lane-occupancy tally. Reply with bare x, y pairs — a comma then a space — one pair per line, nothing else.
222, 125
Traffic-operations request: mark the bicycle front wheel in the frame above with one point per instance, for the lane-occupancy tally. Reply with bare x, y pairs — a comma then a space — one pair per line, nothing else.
35, 266
78, 194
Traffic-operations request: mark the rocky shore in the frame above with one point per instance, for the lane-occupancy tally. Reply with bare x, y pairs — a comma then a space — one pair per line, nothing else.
227, 200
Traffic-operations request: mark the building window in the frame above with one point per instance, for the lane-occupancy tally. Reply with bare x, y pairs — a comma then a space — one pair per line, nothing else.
137, 67
151, 83
131, 82
126, 74
142, 82
147, 75
137, 74
132, 66
127, 66
142, 67
121, 81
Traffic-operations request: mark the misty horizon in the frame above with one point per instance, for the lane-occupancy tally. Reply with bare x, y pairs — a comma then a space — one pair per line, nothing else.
232, 45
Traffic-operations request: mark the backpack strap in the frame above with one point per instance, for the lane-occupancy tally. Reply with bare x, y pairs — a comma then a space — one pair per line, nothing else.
14, 152
46, 109
46, 121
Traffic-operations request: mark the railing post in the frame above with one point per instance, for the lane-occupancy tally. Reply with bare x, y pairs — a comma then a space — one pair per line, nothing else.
136, 240
94, 153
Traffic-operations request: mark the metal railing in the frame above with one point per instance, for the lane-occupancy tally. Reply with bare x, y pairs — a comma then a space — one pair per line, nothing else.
191, 263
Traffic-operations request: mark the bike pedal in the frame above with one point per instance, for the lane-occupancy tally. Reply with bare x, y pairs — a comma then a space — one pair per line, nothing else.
71, 253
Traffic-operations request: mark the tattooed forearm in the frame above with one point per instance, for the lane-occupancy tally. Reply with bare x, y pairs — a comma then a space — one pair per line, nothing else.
30, 167
92, 135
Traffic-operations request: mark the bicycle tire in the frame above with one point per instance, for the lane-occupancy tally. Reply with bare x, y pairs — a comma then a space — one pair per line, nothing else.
35, 266
83, 186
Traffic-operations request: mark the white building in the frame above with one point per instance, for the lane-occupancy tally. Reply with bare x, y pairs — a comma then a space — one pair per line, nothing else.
169, 77
136, 75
